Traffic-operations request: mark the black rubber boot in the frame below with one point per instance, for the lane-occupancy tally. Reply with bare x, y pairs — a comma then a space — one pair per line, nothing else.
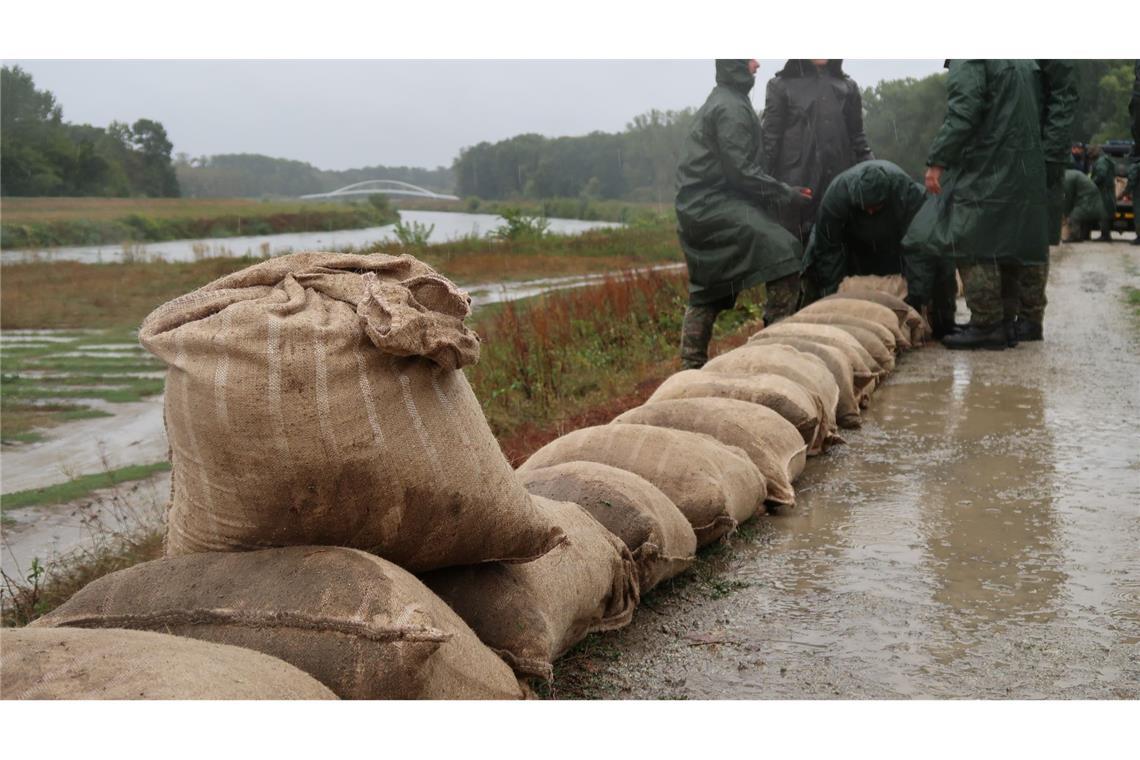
1028, 330
993, 337
1010, 334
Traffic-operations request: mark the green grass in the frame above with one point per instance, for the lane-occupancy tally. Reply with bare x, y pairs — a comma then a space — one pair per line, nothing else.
1132, 297
62, 493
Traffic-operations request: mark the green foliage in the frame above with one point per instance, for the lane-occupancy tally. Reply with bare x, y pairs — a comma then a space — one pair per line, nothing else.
520, 226
638, 163
41, 155
1105, 87
61, 493
415, 235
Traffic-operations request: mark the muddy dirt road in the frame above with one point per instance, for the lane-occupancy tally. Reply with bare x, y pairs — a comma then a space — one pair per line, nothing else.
979, 537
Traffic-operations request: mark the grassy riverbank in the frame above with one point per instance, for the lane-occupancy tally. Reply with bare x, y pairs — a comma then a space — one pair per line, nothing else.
46, 222
628, 212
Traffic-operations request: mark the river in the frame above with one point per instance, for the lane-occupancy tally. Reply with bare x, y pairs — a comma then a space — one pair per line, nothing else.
446, 225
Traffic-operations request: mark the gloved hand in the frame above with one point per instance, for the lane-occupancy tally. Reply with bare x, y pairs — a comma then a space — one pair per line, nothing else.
801, 196
1054, 173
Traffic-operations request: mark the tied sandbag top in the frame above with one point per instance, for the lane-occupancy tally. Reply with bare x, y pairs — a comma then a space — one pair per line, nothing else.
405, 307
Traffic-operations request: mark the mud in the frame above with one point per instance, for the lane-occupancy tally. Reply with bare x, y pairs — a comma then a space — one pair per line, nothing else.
978, 538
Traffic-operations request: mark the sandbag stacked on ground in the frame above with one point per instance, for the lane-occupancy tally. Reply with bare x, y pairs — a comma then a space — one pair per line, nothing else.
661, 540
715, 486
315, 399
71, 663
833, 336
360, 625
855, 308
863, 376
795, 403
893, 284
771, 442
893, 339
531, 613
910, 319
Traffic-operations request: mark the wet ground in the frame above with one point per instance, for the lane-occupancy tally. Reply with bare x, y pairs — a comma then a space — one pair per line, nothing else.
979, 537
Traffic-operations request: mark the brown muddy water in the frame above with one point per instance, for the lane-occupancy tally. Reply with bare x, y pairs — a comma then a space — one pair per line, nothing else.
979, 537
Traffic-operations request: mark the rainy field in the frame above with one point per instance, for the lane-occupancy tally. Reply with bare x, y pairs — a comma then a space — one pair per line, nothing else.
44, 222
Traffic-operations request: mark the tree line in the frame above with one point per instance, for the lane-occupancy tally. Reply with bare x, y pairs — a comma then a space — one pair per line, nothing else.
43, 155
252, 175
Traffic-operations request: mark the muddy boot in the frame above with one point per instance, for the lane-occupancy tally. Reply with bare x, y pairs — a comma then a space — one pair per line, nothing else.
1028, 330
974, 336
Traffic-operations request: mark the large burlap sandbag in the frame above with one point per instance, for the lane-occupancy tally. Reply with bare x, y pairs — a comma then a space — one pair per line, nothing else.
798, 405
531, 613
860, 309
892, 337
661, 540
893, 284
871, 342
315, 399
851, 395
771, 442
832, 336
910, 319
715, 486
806, 369
71, 663
358, 624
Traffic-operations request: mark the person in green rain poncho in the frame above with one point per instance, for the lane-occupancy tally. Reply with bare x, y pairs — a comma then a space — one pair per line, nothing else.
859, 230
1083, 207
989, 214
1104, 177
725, 214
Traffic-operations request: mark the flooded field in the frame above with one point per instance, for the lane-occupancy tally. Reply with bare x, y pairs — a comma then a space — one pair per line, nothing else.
978, 538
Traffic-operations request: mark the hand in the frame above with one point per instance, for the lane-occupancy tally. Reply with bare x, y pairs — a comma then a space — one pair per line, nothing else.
934, 179
802, 196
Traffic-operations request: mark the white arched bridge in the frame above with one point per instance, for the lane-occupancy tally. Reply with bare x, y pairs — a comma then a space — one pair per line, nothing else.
383, 187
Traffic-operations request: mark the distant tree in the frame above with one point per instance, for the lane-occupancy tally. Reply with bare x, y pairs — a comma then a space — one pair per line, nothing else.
901, 117
155, 173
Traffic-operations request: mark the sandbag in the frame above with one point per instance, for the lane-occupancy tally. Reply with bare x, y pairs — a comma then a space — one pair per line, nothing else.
893, 284
532, 613
715, 486
871, 343
892, 337
804, 368
761, 349
315, 398
661, 540
360, 625
771, 442
860, 309
919, 328
831, 336
798, 405
71, 663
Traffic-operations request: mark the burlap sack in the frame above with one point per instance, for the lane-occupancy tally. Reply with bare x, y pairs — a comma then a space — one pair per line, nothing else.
798, 405
833, 336
909, 319
771, 442
315, 399
860, 309
358, 624
661, 540
892, 337
804, 368
871, 343
894, 284
715, 486
70, 663
532, 613
851, 396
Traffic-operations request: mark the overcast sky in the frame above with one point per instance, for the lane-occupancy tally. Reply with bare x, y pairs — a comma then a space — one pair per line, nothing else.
344, 114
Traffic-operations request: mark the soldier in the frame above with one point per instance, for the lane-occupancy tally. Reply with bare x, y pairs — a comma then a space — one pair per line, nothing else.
859, 230
1059, 109
813, 129
1083, 207
986, 169
723, 202
1104, 177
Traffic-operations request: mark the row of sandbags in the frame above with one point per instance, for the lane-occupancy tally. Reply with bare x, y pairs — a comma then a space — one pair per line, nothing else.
326, 446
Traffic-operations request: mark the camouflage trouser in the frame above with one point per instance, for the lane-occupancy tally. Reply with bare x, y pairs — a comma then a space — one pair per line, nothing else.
999, 292
782, 299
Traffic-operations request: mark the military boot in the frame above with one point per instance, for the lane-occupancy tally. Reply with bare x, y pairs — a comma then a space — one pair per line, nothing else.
1010, 333
975, 336
1028, 330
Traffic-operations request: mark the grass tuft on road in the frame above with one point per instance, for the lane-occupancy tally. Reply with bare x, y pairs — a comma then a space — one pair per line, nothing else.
80, 487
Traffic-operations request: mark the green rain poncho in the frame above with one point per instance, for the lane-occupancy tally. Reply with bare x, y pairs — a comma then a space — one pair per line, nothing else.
1082, 199
1104, 177
730, 240
993, 202
847, 240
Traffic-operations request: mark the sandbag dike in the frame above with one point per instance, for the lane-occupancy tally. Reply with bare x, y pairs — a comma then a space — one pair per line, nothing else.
328, 450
